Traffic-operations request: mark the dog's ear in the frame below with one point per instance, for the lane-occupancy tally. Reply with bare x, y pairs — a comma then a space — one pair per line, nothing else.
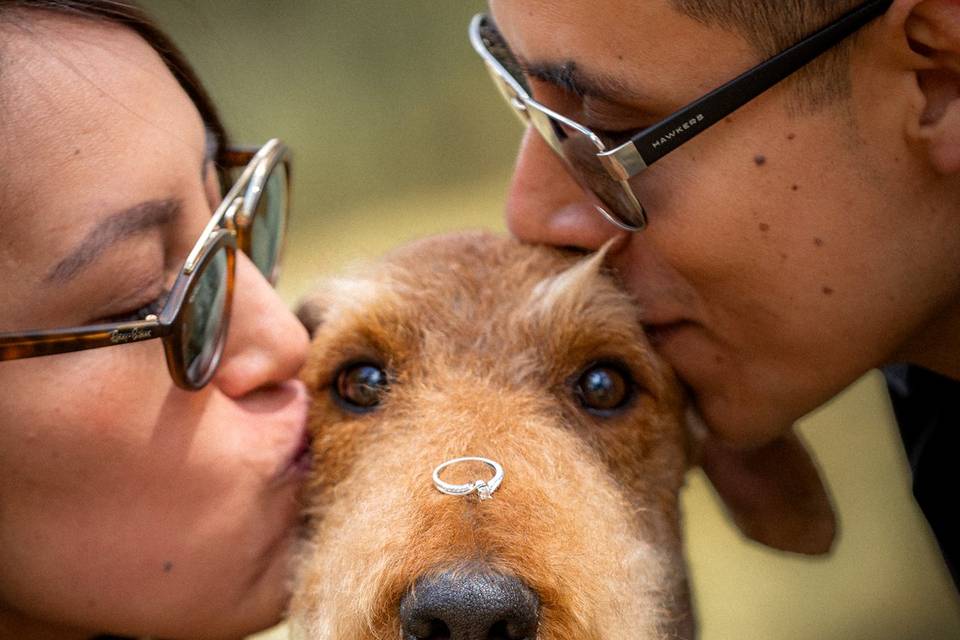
773, 492
310, 311
330, 297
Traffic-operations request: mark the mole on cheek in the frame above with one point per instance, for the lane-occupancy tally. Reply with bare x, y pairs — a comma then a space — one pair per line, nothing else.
167, 566
764, 226
818, 242
827, 291
760, 160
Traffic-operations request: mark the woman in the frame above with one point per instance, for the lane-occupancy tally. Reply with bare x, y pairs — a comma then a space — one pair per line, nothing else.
137, 497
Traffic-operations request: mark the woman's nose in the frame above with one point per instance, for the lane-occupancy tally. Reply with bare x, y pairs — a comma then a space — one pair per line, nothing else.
266, 344
546, 205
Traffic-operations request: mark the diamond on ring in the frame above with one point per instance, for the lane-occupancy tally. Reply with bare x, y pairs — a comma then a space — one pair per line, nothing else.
484, 488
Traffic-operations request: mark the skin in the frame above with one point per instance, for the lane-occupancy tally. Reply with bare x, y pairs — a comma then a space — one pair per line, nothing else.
128, 505
787, 252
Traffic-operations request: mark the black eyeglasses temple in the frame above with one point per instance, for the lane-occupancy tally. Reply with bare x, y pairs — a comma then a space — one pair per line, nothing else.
656, 141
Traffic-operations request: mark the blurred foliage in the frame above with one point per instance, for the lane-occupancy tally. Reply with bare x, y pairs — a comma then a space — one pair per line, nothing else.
376, 98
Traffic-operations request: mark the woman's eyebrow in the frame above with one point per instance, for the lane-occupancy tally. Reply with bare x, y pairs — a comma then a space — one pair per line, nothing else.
115, 227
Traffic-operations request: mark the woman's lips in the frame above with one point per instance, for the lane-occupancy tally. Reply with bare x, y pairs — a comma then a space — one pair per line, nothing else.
302, 457
299, 461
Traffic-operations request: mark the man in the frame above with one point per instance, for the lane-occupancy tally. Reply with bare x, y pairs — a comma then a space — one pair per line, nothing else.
809, 235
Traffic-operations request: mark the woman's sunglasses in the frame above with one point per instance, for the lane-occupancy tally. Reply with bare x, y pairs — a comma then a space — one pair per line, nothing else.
605, 166
193, 322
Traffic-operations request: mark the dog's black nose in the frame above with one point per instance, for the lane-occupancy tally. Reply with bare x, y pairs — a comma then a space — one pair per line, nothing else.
469, 605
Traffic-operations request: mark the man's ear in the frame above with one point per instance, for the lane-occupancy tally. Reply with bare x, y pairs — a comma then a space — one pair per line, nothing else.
773, 492
932, 30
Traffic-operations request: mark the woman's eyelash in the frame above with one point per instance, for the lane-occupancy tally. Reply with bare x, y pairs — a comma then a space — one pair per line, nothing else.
154, 307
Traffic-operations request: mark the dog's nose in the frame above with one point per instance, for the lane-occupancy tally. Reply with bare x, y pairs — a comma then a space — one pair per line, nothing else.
474, 605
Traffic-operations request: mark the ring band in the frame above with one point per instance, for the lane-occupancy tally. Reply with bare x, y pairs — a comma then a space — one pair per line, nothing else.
484, 488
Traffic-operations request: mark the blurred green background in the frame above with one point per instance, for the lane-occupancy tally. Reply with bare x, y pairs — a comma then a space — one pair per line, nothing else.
397, 133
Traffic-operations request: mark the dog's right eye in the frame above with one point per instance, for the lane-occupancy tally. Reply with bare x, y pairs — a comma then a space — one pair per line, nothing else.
360, 386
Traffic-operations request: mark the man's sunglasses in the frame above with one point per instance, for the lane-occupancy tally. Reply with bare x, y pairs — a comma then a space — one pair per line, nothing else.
193, 322
604, 169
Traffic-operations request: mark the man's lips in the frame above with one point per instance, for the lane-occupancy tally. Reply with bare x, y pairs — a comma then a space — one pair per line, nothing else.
661, 333
690, 350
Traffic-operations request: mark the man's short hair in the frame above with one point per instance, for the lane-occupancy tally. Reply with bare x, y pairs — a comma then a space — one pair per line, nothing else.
770, 26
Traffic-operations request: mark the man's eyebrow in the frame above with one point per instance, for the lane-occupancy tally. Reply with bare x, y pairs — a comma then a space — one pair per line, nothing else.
117, 226
566, 75
569, 77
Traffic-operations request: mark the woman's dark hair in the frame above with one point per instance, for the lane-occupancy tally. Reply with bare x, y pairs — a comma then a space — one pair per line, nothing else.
132, 16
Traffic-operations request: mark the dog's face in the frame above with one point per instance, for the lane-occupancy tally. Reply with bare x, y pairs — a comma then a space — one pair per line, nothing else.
475, 345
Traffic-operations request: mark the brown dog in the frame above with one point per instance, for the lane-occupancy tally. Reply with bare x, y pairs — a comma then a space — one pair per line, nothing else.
476, 345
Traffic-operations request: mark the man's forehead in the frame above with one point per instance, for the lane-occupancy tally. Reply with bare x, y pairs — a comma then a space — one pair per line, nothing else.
646, 47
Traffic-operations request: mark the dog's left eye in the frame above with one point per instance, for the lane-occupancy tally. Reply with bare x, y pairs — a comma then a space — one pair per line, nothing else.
361, 386
604, 387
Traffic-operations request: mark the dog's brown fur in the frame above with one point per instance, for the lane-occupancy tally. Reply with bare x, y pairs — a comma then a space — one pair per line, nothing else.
483, 340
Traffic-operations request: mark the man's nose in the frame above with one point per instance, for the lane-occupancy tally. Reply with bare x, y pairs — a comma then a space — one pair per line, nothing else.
546, 205
266, 344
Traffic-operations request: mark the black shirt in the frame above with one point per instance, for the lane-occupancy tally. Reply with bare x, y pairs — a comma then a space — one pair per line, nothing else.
927, 407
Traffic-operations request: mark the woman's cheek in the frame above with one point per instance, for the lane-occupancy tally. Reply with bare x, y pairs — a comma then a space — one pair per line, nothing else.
78, 414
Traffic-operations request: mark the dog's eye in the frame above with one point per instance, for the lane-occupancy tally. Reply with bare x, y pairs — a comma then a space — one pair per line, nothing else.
361, 386
604, 387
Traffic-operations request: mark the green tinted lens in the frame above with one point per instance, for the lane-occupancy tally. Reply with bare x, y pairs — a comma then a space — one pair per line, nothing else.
203, 325
269, 221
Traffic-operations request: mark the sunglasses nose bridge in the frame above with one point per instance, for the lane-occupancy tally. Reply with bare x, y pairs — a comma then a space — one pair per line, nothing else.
236, 218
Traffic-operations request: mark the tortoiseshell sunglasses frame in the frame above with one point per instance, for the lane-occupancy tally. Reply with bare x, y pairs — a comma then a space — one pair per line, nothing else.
229, 228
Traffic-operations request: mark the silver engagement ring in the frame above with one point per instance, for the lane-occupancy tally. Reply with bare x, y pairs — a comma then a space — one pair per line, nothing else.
484, 488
